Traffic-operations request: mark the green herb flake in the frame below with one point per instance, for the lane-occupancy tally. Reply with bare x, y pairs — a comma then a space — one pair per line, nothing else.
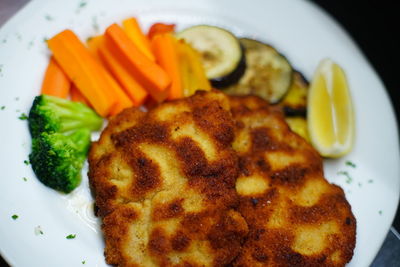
350, 164
4, 41
71, 236
48, 17
38, 230
346, 174
1, 70
14, 217
3, 107
82, 4
16, 99
26, 162
370, 181
23, 117
25, 179
45, 39
380, 212
83, 262
359, 184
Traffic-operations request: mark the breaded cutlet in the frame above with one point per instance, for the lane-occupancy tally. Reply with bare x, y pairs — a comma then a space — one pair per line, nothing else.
164, 184
295, 217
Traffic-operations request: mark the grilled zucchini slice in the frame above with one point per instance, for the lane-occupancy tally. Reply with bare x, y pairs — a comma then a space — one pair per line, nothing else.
221, 53
268, 73
295, 101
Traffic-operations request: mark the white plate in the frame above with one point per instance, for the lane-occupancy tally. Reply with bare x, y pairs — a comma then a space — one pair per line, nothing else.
300, 30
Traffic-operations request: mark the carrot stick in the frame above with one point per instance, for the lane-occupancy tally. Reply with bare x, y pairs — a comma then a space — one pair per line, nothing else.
131, 87
146, 72
160, 28
132, 29
83, 69
55, 82
77, 96
164, 49
124, 101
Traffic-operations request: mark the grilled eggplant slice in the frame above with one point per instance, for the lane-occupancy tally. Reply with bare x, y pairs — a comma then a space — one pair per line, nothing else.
222, 55
295, 101
268, 73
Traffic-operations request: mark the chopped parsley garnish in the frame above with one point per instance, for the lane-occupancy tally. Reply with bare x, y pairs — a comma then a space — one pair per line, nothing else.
23, 117
14, 217
346, 174
1, 69
350, 164
48, 17
71, 236
380, 212
370, 181
17, 98
83, 262
25, 179
82, 4
38, 230
45, 39
26, 162
4, 41
3, 107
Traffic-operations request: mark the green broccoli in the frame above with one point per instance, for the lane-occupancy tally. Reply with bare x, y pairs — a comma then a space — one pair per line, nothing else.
53, 114
60, 132
57, 159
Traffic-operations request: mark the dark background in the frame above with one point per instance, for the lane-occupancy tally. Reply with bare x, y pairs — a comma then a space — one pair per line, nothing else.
374, 25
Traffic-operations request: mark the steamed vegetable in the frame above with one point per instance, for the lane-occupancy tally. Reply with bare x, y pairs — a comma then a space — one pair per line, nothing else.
160, 28
221, 53
146, 72
53, 114
133, 31
191, 69
164, 48
57, 159
60, 131
55, 82
268, 73
131, 87
90, 77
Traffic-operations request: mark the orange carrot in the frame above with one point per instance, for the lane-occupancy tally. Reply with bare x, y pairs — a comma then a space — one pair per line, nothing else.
151, 76
191, 69
94, 45
77, 96
90, 77
160, 28
132, 29
131, 87
164, 48
55, 82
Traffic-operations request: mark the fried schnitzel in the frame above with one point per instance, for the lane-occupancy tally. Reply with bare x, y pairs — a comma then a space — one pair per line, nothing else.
214, 181
295, 217
164, 183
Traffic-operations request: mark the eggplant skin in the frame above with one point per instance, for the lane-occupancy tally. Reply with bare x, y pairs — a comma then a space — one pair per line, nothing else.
268, 73
294, 103
234, 76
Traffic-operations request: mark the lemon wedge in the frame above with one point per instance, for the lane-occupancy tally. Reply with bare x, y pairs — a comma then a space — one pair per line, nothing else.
330, 111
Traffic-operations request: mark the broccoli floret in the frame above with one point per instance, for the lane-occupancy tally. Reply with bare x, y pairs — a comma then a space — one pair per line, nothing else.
53, 114
60, 132
57, 159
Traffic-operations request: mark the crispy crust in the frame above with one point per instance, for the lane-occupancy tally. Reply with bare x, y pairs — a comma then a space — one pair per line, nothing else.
212, 181
295, 217
164, 183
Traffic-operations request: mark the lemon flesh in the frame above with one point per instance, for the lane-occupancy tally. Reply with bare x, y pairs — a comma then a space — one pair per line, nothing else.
330, 111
